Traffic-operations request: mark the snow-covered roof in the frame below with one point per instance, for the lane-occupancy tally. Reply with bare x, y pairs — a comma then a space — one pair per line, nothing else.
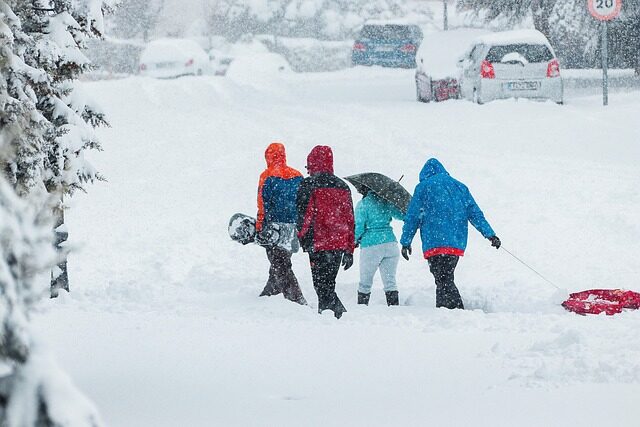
439, 52
516, 36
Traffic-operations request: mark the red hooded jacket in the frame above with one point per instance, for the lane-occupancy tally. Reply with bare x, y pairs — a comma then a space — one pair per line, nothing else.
325, 209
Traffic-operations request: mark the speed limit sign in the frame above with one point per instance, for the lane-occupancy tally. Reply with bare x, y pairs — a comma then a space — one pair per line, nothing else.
604, 10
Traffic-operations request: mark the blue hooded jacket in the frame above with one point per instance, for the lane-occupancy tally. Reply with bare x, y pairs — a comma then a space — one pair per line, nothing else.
442, 207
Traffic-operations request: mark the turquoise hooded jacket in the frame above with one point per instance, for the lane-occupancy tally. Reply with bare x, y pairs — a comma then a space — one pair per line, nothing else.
373, 221
442, 207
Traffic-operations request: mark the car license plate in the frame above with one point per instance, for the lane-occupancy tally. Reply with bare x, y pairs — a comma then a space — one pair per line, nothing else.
165, 64
522, 85
384, 49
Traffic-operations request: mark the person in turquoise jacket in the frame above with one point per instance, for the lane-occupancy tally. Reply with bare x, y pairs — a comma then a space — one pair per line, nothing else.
442, 208
378, 246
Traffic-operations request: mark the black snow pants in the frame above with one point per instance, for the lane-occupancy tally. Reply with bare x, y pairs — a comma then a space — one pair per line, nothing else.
324, 270
442, 268
281, 277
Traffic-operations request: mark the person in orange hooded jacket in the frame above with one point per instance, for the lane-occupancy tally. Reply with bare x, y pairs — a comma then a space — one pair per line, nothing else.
277, 192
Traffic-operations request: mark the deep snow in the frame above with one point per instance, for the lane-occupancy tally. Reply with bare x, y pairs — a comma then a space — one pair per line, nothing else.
164, 327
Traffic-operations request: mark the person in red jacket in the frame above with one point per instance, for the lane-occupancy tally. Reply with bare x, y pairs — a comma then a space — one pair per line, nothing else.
326, 226
277, 192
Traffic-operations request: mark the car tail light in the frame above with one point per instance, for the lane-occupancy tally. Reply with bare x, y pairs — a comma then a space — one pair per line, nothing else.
143, 67
553, 69
486, 70
360, 47
407, 48
189, 63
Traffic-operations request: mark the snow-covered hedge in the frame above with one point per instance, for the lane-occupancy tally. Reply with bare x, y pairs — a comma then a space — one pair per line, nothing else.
114, 56
307, 54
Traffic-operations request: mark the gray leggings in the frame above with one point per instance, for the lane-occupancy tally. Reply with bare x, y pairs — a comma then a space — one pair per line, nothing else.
385, 257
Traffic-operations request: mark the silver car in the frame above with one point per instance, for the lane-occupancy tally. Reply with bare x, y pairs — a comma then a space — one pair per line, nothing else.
511, 64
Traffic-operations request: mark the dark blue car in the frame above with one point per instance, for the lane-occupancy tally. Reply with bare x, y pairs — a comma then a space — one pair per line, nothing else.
388, 45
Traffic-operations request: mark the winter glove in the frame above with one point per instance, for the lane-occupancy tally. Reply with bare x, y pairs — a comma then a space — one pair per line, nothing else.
495, 242
347, 261
406, 251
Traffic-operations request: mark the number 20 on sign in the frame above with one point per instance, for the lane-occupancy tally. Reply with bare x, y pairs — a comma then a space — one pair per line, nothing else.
604, 10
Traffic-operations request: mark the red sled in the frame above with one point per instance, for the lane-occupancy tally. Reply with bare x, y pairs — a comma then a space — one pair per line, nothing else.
608, 301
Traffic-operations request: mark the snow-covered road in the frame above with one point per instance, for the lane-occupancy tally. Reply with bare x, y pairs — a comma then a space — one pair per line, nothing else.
164, 328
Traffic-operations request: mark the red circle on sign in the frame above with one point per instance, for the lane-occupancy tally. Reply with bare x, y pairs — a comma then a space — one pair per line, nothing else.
609, 17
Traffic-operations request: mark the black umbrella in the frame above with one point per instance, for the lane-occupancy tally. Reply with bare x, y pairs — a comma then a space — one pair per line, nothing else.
384, 187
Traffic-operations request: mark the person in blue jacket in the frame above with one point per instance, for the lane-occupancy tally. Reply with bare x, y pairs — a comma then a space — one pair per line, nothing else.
378, 246
441, 208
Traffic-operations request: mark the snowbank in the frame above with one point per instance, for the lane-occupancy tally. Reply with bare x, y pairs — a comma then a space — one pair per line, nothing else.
164, 327
257, 69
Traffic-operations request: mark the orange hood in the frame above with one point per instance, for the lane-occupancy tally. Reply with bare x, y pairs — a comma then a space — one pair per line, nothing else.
275, 155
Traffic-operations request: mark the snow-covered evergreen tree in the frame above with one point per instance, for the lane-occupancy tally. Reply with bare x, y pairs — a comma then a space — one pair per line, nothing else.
574, 34
626, 39
22, 127
57, 31
33, 390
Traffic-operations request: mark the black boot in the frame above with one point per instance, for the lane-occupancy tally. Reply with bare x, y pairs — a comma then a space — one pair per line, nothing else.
338, 308
363, 298
392, 298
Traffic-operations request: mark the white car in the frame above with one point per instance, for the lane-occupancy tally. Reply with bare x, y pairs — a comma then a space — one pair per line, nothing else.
167, 58
437, 73
511, 64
